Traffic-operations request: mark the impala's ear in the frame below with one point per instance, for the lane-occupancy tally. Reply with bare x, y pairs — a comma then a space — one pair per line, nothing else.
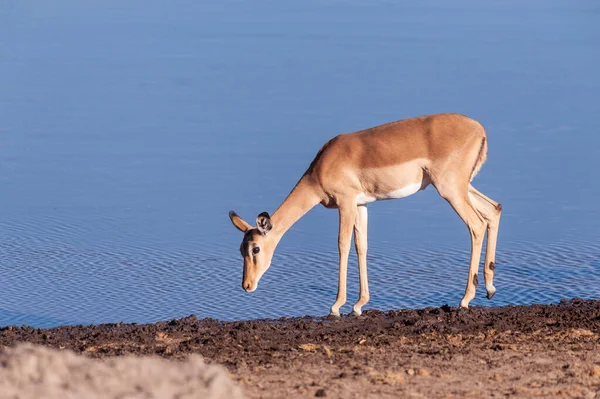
239, 222
263, 223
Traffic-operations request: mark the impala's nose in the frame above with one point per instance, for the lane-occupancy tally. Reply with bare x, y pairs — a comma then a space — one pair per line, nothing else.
248, 287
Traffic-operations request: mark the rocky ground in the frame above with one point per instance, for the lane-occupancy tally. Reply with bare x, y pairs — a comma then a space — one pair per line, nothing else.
512, 352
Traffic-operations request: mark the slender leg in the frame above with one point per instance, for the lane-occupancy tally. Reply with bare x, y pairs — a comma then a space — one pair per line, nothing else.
360, 242
347, 218
459, 200
491, 212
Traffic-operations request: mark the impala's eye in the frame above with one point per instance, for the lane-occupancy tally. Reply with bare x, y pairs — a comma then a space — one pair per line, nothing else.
255, 250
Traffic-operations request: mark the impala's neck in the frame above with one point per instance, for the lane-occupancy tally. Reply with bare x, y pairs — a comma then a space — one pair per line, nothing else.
300, 200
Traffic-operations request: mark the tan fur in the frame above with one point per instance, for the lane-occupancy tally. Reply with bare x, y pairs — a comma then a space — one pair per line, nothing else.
388, 161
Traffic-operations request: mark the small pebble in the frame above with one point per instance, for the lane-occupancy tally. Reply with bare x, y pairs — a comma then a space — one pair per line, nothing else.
595, 371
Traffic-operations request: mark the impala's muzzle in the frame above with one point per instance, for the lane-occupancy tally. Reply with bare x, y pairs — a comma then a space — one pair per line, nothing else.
249, 286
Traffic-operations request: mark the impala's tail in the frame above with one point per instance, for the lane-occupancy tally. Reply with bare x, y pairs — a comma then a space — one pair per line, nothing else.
481, 157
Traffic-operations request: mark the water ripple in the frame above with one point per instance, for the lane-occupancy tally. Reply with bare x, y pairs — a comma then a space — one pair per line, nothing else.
46, 282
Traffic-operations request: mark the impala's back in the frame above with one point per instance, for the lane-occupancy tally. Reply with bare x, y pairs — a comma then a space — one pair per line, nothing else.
397, 159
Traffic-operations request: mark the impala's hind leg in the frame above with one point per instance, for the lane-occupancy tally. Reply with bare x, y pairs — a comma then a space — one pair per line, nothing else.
491, 211
459, 200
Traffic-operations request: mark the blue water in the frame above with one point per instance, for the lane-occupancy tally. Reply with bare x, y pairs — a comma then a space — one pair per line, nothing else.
129, 129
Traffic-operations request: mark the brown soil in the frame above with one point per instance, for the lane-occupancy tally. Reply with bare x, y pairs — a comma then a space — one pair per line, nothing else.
513, 351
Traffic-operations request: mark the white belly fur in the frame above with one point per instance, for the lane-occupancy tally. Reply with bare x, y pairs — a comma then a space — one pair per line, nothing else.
363, 198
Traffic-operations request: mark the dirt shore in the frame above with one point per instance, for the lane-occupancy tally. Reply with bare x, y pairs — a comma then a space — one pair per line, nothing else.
513, 351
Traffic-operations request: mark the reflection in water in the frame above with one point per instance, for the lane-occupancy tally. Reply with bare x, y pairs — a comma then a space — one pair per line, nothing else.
128, 133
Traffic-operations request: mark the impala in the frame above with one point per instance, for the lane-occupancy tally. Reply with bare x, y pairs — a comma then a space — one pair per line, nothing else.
393, 160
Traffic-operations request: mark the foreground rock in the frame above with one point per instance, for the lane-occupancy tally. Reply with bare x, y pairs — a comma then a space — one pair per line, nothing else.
31, 372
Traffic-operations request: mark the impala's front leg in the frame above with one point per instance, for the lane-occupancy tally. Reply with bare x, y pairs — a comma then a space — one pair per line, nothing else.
347, 218
360, 242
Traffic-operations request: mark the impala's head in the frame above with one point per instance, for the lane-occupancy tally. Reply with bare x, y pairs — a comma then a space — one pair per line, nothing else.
257, 248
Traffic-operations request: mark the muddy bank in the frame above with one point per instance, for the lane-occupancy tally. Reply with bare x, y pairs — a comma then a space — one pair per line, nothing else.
513, 351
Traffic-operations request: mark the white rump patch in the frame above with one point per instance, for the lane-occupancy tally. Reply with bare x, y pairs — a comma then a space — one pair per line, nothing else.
363, 198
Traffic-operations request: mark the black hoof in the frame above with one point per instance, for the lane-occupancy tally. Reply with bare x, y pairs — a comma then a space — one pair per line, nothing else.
354, 315
334, 316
